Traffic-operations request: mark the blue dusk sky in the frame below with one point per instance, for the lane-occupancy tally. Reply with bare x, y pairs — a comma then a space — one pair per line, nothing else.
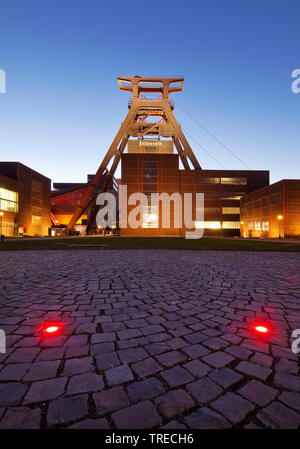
63, 106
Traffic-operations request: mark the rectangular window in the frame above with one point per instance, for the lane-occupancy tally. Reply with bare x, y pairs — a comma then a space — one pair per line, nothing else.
150, 217
257, 225
230, 210
149, 179
265, 225
203, 180
207, 225
9, 200
233, 197
148, 164
152, 187
250, 225
234, 181
230, 225
36, 219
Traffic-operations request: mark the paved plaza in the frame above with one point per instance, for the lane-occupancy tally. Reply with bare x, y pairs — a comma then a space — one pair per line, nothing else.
153, 339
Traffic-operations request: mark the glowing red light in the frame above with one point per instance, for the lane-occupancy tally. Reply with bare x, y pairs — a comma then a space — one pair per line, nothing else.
51, 329
261, 328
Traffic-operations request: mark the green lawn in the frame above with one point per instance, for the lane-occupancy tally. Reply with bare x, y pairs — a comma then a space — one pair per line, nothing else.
221, 244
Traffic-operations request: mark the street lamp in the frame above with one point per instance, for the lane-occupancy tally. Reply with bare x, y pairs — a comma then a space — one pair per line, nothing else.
280, 218
2, 237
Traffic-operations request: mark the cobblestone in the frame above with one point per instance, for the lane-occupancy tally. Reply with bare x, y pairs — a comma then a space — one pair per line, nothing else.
150, 336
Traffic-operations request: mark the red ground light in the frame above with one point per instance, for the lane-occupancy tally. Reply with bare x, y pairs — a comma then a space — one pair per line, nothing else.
51, 329
262, 329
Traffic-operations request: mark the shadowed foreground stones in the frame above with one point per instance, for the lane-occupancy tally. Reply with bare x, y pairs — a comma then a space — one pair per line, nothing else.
140, 416
21, 418
145, 389
174, 402
154, 339
110, 400
233, 407
277, 416
45, 390
204, 418
11, 393
67, 409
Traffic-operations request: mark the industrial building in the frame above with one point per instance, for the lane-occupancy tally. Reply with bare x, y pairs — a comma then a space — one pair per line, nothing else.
66, 197
272, 211
24, 201
223, 189
150, 133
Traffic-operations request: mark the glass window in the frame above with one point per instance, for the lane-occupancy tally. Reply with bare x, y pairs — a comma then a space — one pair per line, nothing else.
257, 225
9, 200
152, 187
150, 216
230, 210
234, 181
148, 164
150, 179
265, 225
250, 225
230, 225
207, 225
204, 180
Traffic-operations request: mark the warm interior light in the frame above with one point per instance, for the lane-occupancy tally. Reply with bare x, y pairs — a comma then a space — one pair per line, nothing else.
280, 217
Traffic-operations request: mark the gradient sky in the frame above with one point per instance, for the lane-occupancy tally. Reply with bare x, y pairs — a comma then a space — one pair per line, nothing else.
63, 106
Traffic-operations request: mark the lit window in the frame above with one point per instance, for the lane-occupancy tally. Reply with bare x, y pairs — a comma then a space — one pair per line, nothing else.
257, 225
230, 225
250, 225
36, 219
234, 197
150, 217
9, 200
203, 180
265, 225
234, 181
230, 210
207, 225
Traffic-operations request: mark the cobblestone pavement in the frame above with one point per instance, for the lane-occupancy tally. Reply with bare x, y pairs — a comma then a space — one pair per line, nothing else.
154, 339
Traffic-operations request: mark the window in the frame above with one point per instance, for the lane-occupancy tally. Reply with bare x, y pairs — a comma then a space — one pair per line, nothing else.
36, 200
257, 225
230, 210
234, 181
9, 200
250, 225
233, 197
203, 180
207, 225
265, 225
148, 164
230, 225
151, 187
150, 216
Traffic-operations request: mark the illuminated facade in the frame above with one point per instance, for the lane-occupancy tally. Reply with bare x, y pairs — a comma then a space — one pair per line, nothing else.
150, 133
66, 197
158, 173
273, 211
24, 200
